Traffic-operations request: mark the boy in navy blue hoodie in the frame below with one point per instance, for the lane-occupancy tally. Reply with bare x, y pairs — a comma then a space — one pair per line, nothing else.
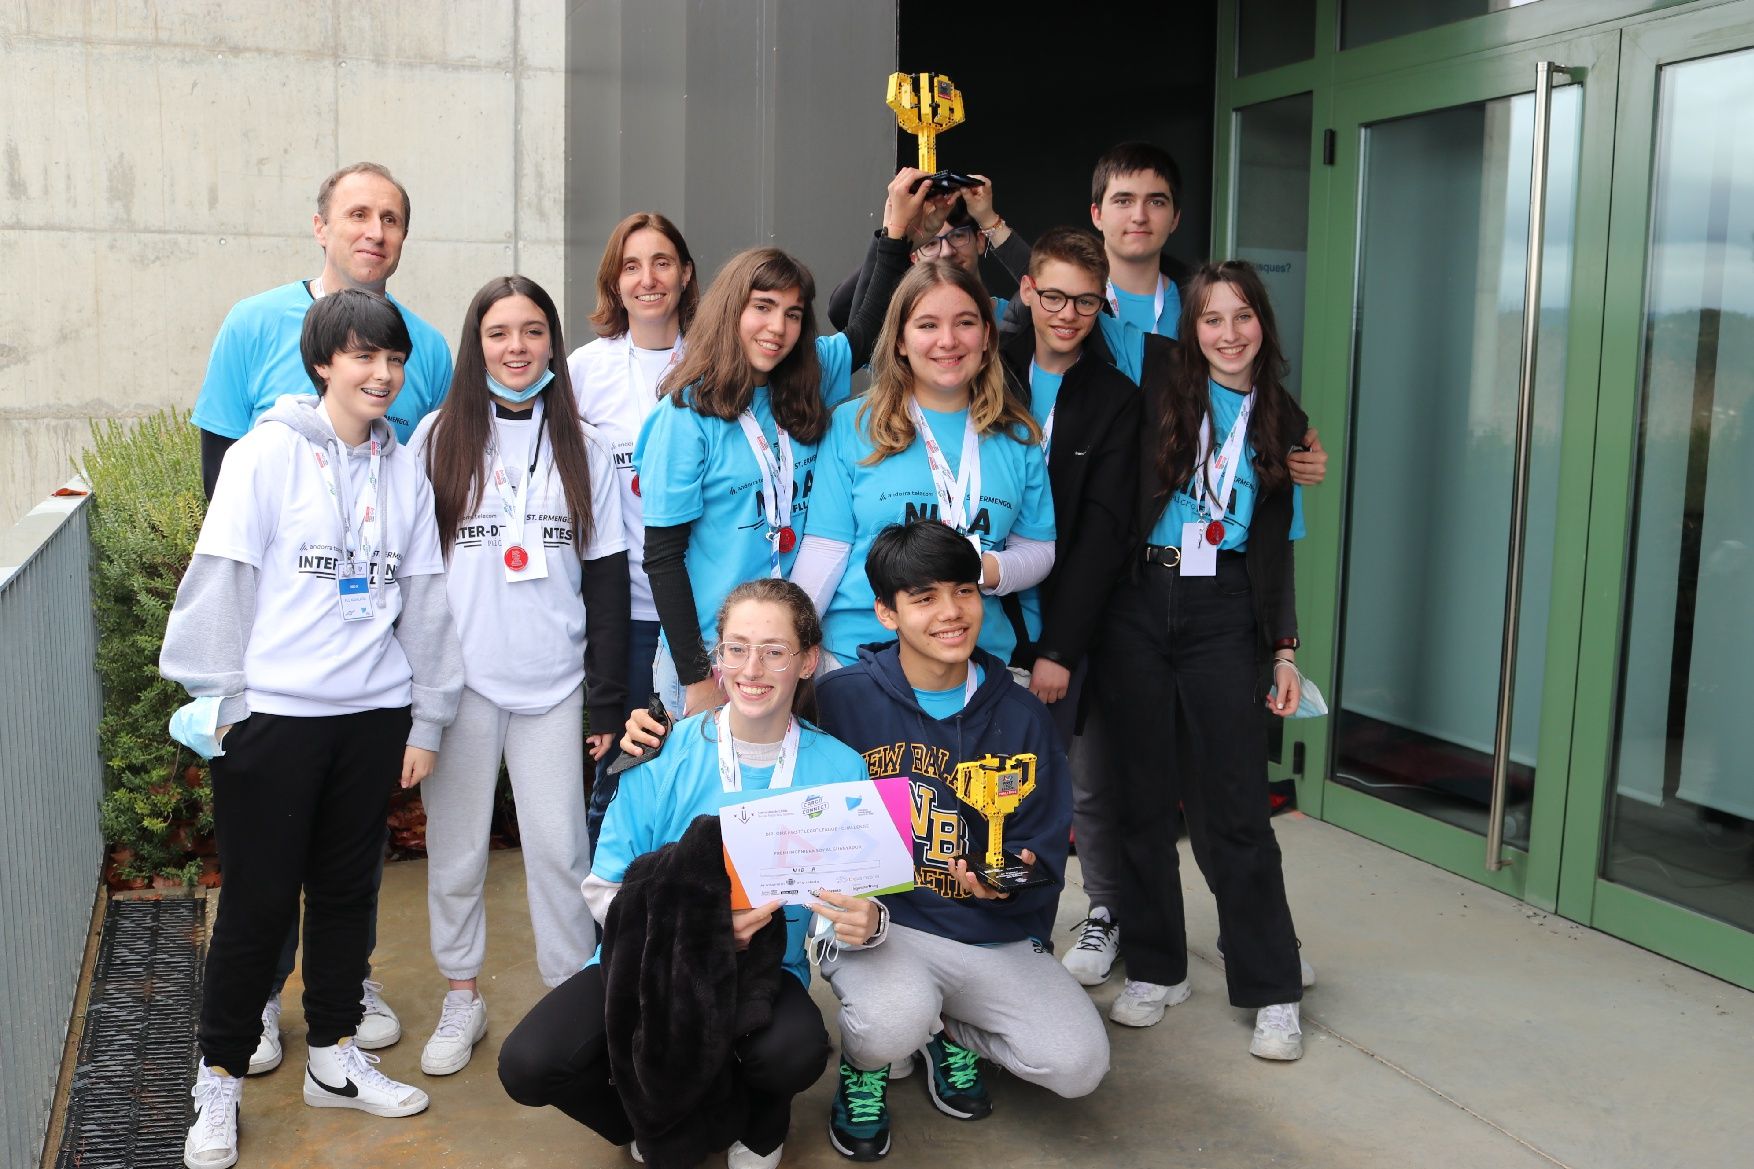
961, 972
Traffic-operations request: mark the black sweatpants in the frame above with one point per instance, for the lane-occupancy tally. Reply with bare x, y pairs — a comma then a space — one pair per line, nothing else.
558, 1055
1178, 678
297, 803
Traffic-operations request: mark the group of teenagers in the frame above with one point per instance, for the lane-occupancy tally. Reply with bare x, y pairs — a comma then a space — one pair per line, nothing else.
1058, 525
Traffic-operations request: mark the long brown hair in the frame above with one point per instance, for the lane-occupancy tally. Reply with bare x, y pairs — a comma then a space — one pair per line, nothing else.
458, 444
610, 316
717, 376
1190, 398
806, 625
884, 411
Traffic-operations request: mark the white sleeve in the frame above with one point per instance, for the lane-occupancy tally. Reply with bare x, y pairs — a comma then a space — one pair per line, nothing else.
820, 565
1023, 564
598, 894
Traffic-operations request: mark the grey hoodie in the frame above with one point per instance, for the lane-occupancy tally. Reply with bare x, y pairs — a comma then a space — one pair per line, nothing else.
209, 627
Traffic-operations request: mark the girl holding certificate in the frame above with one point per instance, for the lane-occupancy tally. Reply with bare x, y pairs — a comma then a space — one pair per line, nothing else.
726, 465
937, 436
767, 653
1193, 640
530, 524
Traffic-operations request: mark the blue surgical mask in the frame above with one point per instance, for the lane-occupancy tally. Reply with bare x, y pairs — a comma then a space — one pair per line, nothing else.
523, 395
193, 726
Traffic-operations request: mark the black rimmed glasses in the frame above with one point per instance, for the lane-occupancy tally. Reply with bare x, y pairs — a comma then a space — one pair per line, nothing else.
958, 239
1053, 300
734, 655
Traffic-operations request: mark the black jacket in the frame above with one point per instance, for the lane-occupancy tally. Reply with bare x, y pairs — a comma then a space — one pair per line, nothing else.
1269, 558
1093, 472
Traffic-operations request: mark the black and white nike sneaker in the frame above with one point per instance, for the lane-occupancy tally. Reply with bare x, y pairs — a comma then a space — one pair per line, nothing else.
343, 1076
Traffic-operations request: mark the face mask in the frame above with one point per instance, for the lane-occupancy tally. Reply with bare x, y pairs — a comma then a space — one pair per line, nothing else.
193, 726
523, 395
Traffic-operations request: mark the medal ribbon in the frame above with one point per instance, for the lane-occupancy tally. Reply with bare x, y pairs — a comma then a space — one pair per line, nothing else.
514, 501
1114, 301
731, 775
1229, 458
359, 512
959, 495
776, 482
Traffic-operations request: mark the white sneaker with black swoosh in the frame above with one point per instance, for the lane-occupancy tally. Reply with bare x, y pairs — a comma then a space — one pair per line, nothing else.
343, 1076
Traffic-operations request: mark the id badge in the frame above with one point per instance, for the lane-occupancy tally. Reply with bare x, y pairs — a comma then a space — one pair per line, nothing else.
354, 586
529, 560
1198, 557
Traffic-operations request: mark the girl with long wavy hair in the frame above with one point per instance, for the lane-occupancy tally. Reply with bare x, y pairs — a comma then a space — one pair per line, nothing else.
1200, 635
536, 559
935, 436
727, 466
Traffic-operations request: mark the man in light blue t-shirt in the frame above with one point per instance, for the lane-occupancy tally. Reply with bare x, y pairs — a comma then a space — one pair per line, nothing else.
360, 223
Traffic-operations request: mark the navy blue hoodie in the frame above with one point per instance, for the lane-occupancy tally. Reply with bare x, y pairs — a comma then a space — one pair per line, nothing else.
870, 706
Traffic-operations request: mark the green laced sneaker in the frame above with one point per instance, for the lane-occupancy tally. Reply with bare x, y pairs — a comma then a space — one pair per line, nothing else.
955, 1080
858, 1120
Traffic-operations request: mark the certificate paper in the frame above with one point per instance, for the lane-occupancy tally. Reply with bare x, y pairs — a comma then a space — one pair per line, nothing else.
844, 837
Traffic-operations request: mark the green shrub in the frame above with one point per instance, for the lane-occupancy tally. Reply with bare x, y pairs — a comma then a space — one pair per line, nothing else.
147, 506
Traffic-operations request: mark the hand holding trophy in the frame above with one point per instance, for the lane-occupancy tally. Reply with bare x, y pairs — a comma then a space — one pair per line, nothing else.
994, 787
925, 112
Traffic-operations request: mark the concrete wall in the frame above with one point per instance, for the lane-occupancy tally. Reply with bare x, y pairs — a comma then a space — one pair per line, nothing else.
159, 161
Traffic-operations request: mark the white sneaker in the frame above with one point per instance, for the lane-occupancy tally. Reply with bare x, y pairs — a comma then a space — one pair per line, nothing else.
902, 1068
379, 1026
633, 1151
741, 1156
1278, 1034
1305, 972
1141, 1004
1092, 959
212, 1142
462, 1023
267, 1054
343, 1076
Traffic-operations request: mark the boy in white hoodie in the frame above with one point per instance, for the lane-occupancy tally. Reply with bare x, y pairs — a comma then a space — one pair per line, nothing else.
314, 612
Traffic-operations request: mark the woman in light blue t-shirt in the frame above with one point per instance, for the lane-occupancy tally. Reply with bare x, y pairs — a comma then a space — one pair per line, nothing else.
935, 436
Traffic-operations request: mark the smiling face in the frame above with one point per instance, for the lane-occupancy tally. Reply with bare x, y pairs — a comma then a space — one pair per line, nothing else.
1230, 337
943, 342
1136, 216
516, 342
937, 625
1060, 332
758, 693
362, 382
363, 234
652, 278
769, 327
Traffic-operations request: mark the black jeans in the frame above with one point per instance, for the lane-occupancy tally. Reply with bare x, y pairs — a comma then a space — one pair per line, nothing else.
1178, 677
297, 802
558, 1055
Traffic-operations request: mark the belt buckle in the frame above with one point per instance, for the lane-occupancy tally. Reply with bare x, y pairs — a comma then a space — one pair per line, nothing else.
1168, 557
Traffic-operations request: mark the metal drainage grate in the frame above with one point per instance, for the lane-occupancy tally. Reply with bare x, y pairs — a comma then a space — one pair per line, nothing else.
129, 1106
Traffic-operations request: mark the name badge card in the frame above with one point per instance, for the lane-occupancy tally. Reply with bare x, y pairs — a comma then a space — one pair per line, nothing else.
1198, 557
354, 585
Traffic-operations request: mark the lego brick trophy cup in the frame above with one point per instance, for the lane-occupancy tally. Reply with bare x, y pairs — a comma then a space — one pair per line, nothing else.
925, 112
994, 787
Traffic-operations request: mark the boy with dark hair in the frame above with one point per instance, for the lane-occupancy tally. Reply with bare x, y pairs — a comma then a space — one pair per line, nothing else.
964, 972
313, 631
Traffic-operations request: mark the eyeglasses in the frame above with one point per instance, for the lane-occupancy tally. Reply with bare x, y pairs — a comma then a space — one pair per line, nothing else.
1053, 300
957, 238
733, 655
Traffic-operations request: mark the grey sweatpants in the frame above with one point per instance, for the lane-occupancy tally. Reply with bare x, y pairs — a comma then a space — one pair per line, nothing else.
1013, 1004
545, 755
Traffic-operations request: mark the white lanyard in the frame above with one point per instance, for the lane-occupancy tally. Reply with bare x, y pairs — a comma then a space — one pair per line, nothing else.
731, 774
1047, 426
360, 512
636, 373
514, 501
776, 486
959, 495
1114, 301
1229, 458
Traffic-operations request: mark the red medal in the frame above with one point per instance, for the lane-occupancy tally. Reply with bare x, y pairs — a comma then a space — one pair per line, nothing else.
788, 539
1215, 533
636, 484
516, 558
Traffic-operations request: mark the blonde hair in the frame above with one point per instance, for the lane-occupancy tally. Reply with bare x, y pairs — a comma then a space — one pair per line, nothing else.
884, 412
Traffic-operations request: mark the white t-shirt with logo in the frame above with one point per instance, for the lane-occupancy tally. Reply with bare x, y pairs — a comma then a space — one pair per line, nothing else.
272, 510
617, 385
524, 641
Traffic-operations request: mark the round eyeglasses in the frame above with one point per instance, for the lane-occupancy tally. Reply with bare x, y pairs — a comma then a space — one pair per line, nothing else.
733, 655
1053, 300
957, 239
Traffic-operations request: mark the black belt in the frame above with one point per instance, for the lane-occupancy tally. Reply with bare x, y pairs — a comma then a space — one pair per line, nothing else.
1170, 556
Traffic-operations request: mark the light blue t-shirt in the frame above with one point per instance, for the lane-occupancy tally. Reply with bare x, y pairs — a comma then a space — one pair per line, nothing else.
699, 470
1125, 333
1183, 508
658, 800
943, 704
1044, 391
256, 359
854, 501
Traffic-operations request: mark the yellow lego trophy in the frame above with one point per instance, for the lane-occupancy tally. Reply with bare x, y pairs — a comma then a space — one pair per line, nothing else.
994, 787
925, 112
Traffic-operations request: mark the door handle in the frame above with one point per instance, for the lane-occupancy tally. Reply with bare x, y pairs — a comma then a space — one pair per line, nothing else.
1519, 490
